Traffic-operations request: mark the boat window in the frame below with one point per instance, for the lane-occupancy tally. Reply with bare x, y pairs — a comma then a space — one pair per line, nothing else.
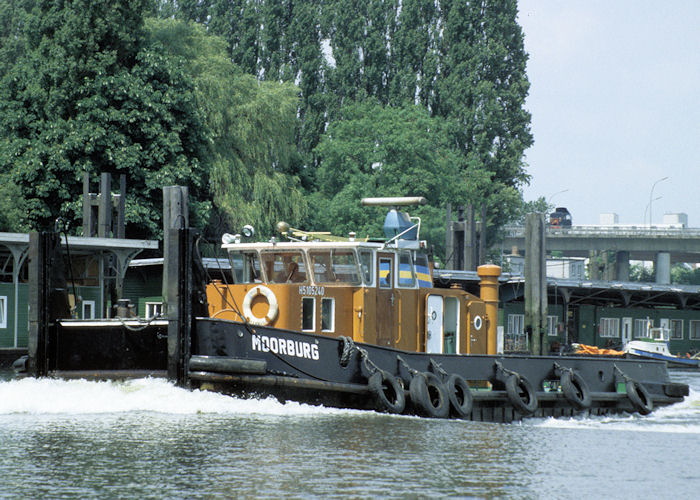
308, 306
246, 267
366, 266
321, 266
335, 266
451, 325
407, 275
327, 314
422, 266
284, 267
385, 272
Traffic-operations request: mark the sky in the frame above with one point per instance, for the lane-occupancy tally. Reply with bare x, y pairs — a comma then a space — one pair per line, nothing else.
615, 104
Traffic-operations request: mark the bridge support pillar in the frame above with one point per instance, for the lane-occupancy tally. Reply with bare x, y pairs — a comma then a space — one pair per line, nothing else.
622, 266
662, 268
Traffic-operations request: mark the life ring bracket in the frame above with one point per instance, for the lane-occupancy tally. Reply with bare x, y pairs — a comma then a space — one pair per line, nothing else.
273, 307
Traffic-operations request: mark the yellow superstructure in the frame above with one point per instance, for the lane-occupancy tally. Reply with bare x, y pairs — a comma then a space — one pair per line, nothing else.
371, 292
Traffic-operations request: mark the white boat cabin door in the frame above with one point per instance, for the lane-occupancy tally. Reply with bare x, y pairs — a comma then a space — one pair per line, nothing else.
434, 323
626, 331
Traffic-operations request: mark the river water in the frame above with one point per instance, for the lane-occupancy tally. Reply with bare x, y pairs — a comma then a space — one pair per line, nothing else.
149, 439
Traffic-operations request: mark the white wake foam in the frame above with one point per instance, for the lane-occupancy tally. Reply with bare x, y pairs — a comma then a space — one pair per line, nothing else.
683, 417
52, 396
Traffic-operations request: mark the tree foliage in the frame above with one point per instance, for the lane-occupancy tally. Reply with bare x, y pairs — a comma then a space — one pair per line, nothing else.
683, 274
250, 125
88, 95
463, 62
261, 119
384, 151
89, 87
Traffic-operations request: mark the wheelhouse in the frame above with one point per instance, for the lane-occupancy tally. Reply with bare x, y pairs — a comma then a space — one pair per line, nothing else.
373, 291
324, 264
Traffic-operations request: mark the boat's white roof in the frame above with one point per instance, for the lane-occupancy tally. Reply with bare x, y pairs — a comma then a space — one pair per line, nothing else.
302, 245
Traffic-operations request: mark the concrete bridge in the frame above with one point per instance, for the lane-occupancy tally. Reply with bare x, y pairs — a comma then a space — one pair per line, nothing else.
618, 245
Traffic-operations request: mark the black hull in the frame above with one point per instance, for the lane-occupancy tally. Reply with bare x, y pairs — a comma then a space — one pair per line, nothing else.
329, 371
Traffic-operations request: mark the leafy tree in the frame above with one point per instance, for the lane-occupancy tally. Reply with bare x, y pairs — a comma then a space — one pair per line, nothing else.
681, 274
462, 61
12, 20
384, 151
684, 274
250, 125
539, 205
87, 94
481, 91
640, 272
414, 53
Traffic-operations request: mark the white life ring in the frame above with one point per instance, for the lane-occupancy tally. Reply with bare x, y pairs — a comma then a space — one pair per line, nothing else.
271, 301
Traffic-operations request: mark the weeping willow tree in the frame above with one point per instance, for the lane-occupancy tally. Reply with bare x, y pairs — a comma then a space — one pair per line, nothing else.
250, 126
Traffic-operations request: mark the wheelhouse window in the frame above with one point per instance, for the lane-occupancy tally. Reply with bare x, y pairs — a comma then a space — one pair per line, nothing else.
327, 314
366, 266
385, 272
407, 275
422, 266
308, 308
284, 267
246, 267
335, 266
552, 323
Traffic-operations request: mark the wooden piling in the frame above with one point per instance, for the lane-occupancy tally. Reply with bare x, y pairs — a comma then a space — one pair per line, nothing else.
177, 279
536, 284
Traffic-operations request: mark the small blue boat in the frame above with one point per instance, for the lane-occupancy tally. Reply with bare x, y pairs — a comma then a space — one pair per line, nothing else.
655, 346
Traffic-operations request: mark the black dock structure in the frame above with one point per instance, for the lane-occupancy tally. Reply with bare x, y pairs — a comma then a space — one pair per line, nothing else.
60, 346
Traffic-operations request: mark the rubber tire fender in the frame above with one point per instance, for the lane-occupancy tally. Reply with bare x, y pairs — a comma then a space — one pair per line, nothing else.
388, 393
575, 389
460, 395
429, 395
639, 397
524, 403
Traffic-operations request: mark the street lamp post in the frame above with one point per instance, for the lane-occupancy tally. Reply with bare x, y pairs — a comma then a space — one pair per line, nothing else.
651, 194
646, 209
553, 195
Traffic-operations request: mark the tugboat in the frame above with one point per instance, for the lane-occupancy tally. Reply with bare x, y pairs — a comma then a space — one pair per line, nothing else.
345, 322
357, 323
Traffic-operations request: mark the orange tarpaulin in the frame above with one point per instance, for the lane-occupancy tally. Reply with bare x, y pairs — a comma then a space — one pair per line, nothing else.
591, 349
